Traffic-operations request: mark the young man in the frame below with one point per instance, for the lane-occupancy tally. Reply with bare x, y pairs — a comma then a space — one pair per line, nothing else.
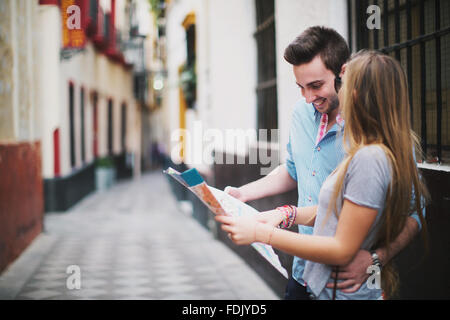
315, 149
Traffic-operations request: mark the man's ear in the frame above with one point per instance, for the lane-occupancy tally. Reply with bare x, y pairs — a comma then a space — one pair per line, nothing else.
344, 66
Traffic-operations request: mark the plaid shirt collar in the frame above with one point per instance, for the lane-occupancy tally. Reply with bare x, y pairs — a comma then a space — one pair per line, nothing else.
324, 123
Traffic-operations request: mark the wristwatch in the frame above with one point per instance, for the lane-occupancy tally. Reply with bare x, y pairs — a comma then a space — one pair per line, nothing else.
375, 259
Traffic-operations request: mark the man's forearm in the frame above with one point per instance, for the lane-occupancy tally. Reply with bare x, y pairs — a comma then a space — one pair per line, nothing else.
403, 239
278, 181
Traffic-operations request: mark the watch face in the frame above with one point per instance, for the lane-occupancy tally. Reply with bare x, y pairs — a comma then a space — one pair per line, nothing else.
375, 260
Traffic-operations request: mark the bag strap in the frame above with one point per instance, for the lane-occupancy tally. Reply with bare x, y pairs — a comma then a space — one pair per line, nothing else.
336, 269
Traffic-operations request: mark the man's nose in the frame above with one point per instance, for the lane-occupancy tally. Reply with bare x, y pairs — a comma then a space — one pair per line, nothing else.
309, 96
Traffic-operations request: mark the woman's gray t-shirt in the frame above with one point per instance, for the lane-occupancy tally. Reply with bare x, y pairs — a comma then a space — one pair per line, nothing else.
366, 182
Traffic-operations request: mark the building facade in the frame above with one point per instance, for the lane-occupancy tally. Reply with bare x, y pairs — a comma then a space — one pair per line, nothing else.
74, 90
20, 137
104, 88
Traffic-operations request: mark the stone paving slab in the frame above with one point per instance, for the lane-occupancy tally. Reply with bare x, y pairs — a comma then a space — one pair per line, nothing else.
130, 242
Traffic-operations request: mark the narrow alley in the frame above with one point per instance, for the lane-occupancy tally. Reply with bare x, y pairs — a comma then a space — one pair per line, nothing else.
130, 242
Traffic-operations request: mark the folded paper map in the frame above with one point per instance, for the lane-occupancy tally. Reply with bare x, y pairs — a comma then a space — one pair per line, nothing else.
221, 203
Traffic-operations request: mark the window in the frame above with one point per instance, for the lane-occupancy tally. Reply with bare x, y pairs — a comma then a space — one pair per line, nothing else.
123, 136
110, 127
266, 89
107, 27
188, 72
190, 45
417, 33
83, 153
95, 124
72, 124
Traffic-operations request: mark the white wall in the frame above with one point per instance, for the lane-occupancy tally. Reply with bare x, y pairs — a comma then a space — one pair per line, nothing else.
226, 67
176, 56
47, 82
233, 55
18, 109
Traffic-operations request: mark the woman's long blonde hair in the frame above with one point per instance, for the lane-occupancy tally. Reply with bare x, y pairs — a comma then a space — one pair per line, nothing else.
375, 106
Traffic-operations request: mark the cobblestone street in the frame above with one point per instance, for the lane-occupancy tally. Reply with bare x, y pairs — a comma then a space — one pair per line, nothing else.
130, 242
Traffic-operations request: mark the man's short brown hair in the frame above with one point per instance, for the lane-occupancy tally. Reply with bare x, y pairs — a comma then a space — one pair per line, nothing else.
318, 40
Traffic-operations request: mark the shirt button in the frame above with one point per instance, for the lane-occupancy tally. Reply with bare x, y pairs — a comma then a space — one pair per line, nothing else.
313, 173
309, 199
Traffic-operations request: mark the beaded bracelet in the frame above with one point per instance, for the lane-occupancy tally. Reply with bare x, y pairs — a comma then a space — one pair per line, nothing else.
289, 215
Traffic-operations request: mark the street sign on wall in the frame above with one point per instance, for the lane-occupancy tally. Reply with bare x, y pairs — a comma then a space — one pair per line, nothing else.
73, 36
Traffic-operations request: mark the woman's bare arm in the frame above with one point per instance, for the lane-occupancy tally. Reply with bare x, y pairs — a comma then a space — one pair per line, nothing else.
353, 226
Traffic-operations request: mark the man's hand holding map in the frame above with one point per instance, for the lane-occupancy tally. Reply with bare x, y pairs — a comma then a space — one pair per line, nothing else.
221, 203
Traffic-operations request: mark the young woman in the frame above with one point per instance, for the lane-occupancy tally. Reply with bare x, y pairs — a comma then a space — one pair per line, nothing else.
365, 202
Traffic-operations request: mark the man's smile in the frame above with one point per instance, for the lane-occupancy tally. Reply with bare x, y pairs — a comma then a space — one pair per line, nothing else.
319, 102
